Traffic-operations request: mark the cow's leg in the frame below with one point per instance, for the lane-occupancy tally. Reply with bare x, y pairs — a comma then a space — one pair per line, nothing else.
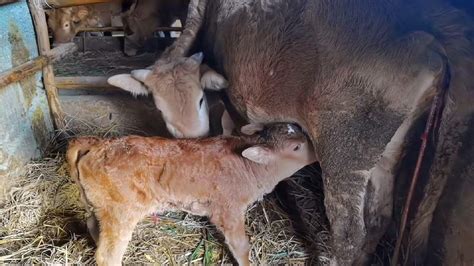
233, 227
116, 228
358, 195
359, 139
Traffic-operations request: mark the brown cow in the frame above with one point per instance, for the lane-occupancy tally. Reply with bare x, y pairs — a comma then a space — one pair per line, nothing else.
122, 180
145, 16
357, 75
66, 22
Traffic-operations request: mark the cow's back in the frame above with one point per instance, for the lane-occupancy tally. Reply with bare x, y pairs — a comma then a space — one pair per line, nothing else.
285, 51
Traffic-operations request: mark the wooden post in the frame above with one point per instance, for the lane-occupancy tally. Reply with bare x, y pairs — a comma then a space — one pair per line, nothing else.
39, 20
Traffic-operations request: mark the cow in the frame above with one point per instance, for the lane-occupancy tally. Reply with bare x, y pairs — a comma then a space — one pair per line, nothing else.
143, 18
358, 76
124, 179
66, 22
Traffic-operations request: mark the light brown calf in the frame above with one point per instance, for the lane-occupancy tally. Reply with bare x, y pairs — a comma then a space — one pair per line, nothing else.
66, 22
122, 180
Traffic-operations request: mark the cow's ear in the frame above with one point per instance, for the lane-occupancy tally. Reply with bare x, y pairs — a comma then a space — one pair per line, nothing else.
259, 154
252, 128
194, 62
82, 13
128, 83
141, 74
212, 80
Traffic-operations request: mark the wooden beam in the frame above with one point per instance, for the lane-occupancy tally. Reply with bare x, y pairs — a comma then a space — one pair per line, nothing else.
39, 20
29, 68
66, 3
3, 2
20, 72
82, 82
101, 29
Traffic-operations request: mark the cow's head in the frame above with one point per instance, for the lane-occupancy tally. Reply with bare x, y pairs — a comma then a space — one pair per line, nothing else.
178, 91
66, 22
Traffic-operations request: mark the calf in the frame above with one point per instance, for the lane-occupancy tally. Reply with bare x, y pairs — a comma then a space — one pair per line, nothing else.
122, 180
66, 22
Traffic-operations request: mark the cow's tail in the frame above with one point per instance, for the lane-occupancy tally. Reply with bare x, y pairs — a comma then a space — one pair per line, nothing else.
454, 29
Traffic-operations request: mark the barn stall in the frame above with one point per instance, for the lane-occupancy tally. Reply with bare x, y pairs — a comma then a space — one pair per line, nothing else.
50, 95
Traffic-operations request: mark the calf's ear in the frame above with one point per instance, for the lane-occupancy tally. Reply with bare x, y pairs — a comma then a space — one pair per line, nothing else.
251, 129
82, 13
258, 154
128, 83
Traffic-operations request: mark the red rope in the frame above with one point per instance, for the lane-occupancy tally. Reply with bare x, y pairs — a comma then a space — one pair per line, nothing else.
433, 117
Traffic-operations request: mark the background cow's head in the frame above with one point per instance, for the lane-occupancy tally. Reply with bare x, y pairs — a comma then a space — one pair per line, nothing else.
178, 91
66, 22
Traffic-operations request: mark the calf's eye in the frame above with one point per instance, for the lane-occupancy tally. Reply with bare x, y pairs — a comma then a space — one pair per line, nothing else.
201, 101
297, 147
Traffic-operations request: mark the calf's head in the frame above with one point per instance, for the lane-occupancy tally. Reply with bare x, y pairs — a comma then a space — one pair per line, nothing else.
66, 22
178, 92
281, 145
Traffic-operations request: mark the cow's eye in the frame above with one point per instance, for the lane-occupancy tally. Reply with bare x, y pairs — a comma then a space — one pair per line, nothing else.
297, 147
66, 25
201, 102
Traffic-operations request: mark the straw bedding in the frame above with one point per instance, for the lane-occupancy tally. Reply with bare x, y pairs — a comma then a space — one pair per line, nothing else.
42, 221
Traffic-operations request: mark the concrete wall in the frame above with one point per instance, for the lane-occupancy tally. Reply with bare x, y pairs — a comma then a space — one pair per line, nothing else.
25, 124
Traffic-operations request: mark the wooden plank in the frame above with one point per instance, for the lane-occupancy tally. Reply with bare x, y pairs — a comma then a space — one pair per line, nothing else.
20, 72
82, 82
66, 3
39, 20
4, 2
101, 29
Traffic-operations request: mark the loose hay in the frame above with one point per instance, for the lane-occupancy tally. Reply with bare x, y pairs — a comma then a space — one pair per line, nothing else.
42, 221
96, 63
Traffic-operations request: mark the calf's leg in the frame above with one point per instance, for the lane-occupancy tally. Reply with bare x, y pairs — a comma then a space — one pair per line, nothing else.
116, 228
93, 227
233, 228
